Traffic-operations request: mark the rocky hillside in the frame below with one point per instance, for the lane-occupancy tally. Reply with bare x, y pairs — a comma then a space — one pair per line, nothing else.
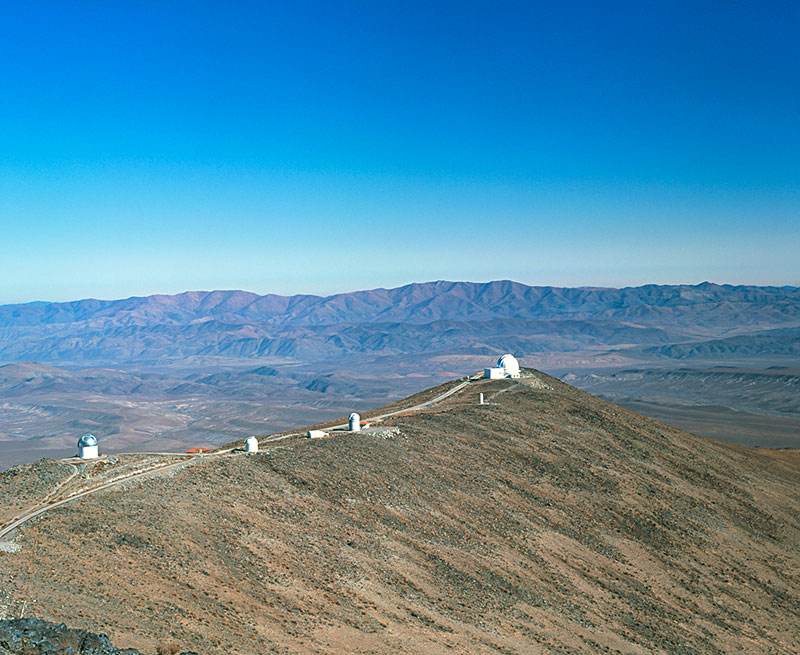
547, 521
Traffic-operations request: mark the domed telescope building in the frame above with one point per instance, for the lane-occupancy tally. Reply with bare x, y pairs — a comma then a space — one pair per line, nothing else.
251, 445
354, 422
507, 367
87, 447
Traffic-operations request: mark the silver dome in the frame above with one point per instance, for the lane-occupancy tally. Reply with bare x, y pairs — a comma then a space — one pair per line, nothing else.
87, 440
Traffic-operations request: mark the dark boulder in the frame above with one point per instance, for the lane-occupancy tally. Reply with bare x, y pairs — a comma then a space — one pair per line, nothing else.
37, 637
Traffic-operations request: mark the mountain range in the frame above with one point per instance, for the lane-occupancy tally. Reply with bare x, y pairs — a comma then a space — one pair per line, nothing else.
416, 318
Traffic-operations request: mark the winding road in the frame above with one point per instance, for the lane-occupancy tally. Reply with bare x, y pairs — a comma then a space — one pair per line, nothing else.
9, 528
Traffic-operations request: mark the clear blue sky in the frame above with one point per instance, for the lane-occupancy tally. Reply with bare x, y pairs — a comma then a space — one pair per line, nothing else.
317, 147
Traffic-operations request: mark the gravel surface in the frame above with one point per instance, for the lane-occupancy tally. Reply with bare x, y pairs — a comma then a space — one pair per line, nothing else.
24, 485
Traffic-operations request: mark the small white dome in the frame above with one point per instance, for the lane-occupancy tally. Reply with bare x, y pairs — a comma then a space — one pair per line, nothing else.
510, 364
355, 422
251, 445
87, 440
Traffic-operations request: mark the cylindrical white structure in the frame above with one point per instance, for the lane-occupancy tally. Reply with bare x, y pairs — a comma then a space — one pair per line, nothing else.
251, 445
481, 397
509, 364
87, 447
355, 422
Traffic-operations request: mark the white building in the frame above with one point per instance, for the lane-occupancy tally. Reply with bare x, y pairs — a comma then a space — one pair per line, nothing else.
251, 445
87, 447
507, 367
316, 434
510, 365
355, 422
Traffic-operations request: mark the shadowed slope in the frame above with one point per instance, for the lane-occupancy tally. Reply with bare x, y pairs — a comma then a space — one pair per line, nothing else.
546, 521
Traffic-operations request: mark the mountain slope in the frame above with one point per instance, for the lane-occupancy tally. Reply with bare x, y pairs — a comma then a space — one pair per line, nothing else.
784, 342
546, 521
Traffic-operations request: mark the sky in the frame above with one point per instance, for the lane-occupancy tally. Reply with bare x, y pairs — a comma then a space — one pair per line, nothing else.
316, 147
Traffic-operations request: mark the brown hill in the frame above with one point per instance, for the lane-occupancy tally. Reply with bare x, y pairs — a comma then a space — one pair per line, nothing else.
546, 521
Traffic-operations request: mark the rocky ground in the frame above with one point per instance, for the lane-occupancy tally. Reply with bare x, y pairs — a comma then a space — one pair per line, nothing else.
27, 484
36, 637
547, 521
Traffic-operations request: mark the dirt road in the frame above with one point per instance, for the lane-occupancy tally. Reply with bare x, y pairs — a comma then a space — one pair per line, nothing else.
45, 507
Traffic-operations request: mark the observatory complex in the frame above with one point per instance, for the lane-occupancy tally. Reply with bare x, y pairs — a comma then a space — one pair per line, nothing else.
507, 367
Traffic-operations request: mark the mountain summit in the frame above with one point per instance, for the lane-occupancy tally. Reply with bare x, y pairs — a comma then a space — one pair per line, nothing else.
545, 520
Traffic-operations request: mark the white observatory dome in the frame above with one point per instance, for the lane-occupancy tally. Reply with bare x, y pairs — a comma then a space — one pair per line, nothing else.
355, 422
87, 447
509, 364
251, 445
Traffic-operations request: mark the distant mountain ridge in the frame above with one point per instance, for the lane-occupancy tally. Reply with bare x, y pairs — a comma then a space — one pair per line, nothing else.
420, 317
421, 302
